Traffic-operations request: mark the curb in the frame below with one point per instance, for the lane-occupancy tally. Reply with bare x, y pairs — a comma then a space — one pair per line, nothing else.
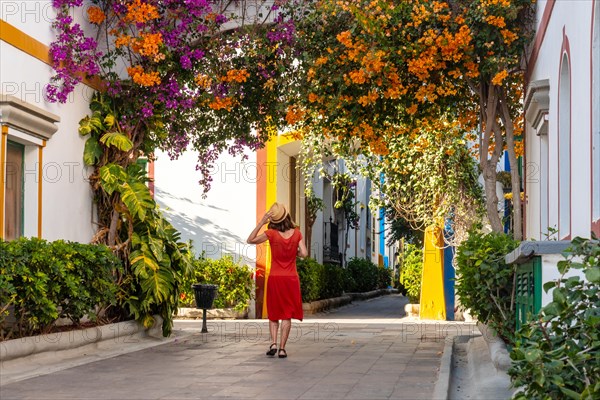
321, 305
497, 348
215, 313
26, 346
442, 386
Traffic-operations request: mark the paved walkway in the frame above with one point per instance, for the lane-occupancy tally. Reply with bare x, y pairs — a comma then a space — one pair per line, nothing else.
365, 350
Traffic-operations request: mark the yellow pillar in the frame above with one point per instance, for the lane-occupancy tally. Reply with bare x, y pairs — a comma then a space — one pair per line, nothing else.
272, 168
433, 305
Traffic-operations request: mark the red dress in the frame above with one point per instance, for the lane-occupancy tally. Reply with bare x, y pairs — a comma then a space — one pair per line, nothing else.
284, 300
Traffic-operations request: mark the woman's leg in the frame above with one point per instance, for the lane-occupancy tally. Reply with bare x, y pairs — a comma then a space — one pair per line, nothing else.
273, 329
286, 326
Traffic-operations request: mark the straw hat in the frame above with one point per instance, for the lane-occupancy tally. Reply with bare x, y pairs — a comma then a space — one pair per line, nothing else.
278, 213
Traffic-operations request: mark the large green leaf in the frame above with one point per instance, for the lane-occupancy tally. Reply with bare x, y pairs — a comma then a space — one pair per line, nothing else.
156, 245
85, 126
137, 198
111, 176
92, 151
142, 263
160, 284
118, 140
109, 120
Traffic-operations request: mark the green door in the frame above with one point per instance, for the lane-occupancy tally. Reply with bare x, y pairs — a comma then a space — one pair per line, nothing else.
528, 290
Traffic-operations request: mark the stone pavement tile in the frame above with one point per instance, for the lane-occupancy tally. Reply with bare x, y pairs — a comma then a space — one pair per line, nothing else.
223, 377
383, 378
327, 391
194, 391
369, 392
341, 378
279, 392
412, 395
240, 392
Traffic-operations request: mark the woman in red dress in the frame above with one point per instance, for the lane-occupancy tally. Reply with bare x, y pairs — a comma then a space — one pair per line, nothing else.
284, 300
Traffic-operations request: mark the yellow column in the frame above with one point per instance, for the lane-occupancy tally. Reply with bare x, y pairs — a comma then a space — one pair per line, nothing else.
3, 144
272, 169
433, 305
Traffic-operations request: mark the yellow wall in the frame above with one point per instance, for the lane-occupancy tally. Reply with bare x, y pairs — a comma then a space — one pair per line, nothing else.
433, 305
270, 170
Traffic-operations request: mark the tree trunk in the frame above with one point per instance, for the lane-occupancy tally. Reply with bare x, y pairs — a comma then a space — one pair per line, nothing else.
491, 197
309, 220
514, 168
488, 166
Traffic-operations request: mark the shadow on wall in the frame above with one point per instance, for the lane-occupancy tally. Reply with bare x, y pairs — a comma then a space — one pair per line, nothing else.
207, 226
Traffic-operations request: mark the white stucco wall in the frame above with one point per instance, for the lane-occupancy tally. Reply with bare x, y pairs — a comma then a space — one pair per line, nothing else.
220, 223
66, 197
550, 273
569, 21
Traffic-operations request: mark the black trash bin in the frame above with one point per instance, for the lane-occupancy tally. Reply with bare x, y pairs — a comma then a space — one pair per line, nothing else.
205, 296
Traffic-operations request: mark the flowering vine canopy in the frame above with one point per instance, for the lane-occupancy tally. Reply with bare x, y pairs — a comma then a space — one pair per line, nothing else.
180, 73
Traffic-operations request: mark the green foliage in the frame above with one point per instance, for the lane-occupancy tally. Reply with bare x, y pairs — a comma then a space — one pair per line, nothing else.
411, 269
334, 281
384, 276
130, 222
319, 281
158, 259
236, 286
43, 281
363, 275
556, 356
344, 186
484, 281
400, 229
310, 273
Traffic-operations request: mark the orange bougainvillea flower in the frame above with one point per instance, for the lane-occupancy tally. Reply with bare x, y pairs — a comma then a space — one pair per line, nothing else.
345, 38
499, 77
203, 81
148, 44
359, 77
236, 75
313, 97
220, 103
122, 41
294, 115
519, 148
96, 15
508, 36
141, 12
143, 78
496, 21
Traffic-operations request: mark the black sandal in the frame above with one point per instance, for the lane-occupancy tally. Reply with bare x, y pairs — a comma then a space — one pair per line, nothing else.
272, 350
284, 355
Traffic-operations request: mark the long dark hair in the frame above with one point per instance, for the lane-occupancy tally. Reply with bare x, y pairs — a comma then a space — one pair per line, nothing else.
284, 225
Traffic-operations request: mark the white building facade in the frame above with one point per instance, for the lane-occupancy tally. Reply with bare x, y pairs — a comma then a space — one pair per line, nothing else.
44, 191
562, 155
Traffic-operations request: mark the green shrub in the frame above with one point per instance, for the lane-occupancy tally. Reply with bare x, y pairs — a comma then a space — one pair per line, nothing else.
384, 277
333, 281
411, 269
236, 286
43, 281
484, 282
311, 278
364, 275
557, 356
